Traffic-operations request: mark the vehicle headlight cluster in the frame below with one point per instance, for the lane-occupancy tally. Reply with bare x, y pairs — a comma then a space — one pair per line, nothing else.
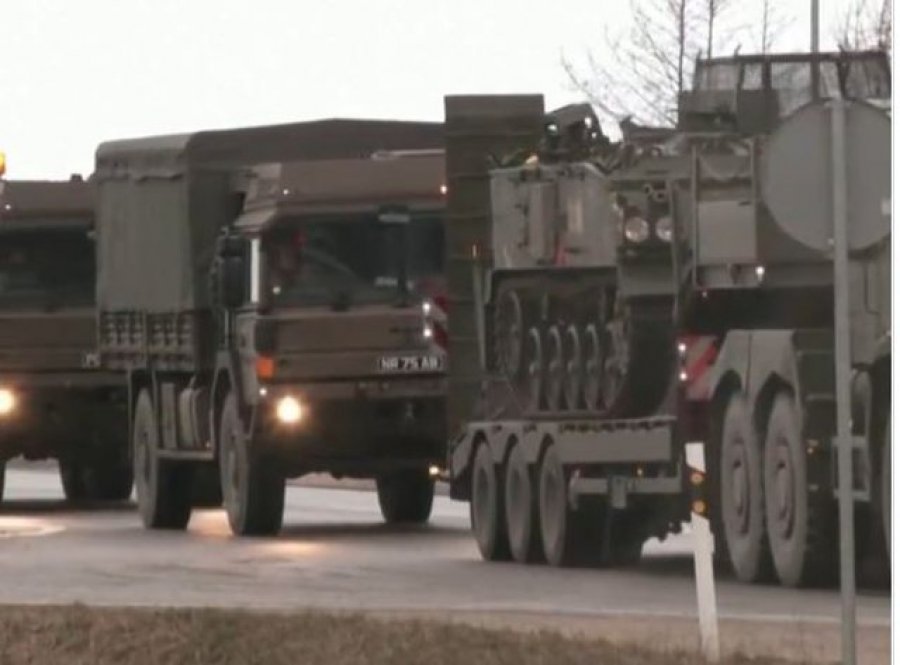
289, 410
7, 401
638, 230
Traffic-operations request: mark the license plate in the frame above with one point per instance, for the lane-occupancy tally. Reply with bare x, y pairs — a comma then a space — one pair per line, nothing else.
426, 363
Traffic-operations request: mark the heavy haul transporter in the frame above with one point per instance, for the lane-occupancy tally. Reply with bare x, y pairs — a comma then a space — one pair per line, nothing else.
274, 294
629, 298
54, 401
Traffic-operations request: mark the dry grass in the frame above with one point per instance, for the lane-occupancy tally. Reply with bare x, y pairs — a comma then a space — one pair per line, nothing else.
77, 635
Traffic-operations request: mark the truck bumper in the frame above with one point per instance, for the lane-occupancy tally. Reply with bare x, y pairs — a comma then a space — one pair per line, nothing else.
48, 418
361, 435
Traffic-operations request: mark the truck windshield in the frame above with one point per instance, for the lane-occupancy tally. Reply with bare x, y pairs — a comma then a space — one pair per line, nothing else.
351, 259
46, 269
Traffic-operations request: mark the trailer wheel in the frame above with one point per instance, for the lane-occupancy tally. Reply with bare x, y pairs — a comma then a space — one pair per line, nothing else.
406, 496
555, 370
252, 489
163, 487
486, 509
799, 524
885, 487
565, 533
742, 496
521, 507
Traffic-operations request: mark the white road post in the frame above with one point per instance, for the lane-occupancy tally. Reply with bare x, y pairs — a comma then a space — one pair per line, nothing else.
704, 577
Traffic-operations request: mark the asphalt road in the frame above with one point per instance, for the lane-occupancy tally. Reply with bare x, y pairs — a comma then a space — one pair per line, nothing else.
335, 553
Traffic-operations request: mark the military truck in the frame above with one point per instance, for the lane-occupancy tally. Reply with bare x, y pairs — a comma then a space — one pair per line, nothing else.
54, 401
273, 294
618, 300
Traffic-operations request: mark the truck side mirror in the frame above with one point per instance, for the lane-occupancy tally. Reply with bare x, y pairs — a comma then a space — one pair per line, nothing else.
232, 281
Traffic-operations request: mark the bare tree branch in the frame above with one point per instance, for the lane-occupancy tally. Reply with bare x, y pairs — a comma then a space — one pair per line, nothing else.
865, 24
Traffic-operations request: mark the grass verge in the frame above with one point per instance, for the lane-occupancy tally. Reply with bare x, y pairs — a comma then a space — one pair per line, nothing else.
78, 635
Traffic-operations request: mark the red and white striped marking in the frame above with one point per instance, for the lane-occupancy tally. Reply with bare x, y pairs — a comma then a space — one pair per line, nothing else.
697, 354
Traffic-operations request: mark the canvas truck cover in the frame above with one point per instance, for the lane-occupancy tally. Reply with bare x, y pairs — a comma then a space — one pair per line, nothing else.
36, 204
343, 186
163, 200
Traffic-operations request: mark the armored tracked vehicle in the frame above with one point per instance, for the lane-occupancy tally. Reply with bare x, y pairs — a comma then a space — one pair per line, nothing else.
631, 297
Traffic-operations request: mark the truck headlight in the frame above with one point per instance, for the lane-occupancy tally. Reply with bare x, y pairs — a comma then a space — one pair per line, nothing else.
289, 410
7, 401
664, 230
636, 229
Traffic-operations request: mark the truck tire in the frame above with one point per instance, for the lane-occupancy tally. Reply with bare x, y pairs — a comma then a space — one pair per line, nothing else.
71, 477
800, 523
523, 526
884, 485
252, 489
743, 503
96, 480
486, 508
567, 535
207, 490
405, 497
163, 487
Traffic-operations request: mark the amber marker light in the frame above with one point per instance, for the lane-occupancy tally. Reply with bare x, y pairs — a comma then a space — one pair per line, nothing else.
265, 367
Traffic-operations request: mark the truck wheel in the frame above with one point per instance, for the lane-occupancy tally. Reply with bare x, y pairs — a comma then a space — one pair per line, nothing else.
800, 536
742, 496
885, 487
564, 542
521, 506
109, 478
163, 486
207, 490
252, 489
486, 509
406, 496
71, 476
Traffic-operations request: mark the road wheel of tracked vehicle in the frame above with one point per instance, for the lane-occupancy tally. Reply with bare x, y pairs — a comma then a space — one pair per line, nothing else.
884, 487
615, 354
574, 368
556, 367
799, 523
509, 332
593, 368
534, 368
406, 497
522, 515
566, 534
486, 508
252, 489
742, 495
163, 486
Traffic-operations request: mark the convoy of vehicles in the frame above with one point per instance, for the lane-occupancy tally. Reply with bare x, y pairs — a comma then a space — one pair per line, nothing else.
620, 300
270, 294
54, 401
550, 314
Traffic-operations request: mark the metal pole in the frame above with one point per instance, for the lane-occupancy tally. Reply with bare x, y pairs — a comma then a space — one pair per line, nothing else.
842, 381
814, 26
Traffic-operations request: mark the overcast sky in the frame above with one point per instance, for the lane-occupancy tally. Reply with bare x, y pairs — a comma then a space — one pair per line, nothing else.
76, 72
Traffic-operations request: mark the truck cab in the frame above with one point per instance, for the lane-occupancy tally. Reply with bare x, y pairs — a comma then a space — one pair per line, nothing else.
339, 284
54, 402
